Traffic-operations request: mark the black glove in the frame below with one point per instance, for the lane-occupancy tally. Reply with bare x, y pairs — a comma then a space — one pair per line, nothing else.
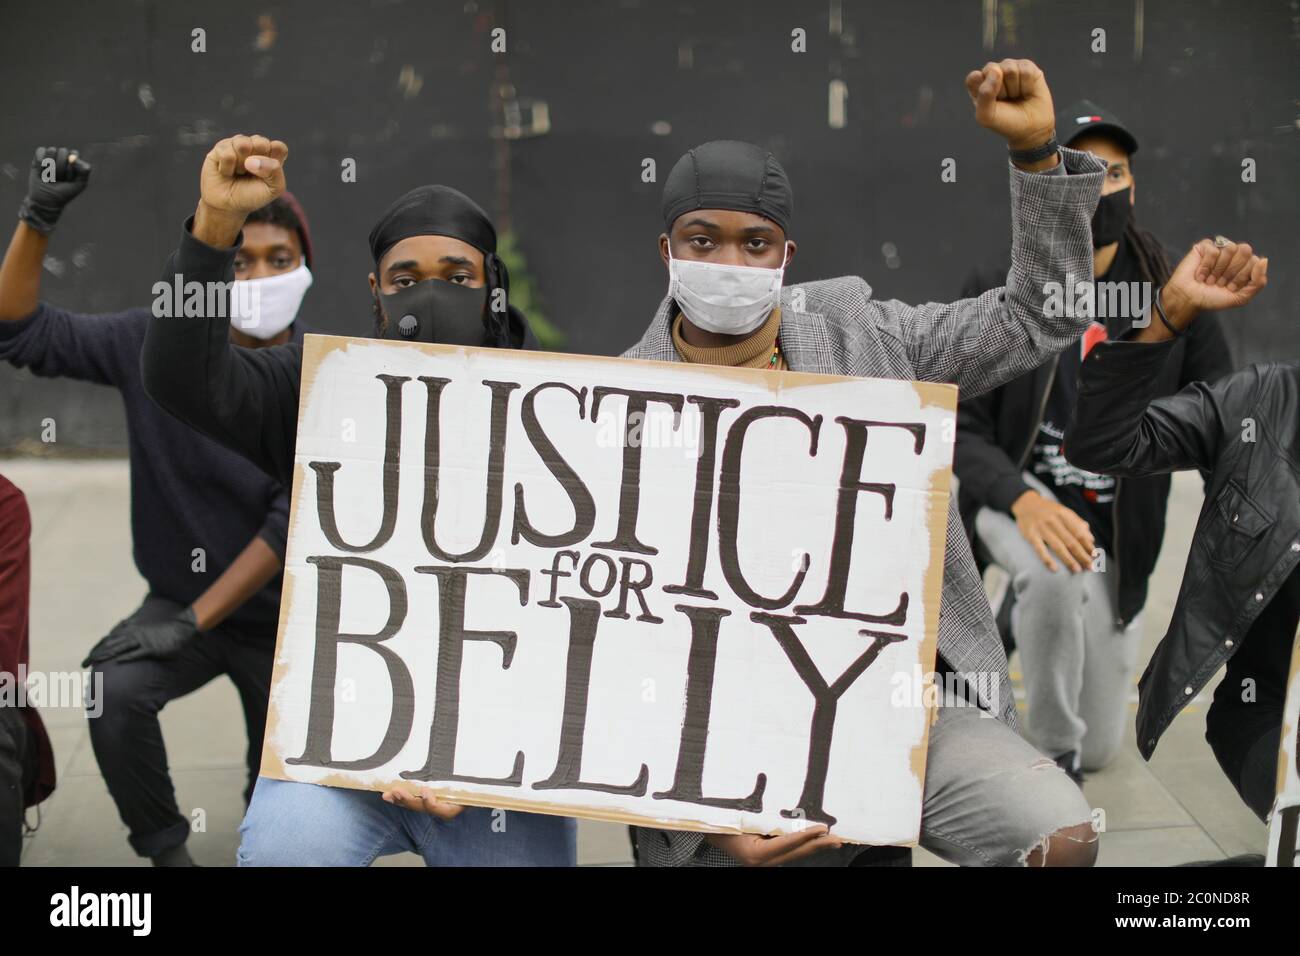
160, 640
58, 175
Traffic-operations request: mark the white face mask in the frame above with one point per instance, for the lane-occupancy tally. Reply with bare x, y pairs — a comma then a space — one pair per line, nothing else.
263, 308
732, 300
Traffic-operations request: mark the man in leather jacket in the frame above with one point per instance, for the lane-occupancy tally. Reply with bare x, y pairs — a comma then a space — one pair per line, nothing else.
1240, 596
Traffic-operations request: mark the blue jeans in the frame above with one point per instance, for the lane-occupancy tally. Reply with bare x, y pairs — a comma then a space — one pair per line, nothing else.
303, 824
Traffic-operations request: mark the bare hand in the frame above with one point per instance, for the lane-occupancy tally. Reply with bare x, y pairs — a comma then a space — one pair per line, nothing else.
1012, 99
1045, 523
425, 802
752, 849
1211, 278
240, 174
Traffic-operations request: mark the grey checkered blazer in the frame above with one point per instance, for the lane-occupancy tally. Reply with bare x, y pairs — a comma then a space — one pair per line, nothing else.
976, 344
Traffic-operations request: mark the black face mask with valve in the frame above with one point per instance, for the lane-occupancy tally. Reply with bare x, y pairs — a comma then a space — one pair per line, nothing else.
436, 311
1112, 216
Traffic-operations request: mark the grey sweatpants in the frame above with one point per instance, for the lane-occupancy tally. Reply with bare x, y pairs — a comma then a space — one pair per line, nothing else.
1076, 657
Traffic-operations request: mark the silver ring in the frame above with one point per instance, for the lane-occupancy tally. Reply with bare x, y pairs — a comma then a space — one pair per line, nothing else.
1221, 241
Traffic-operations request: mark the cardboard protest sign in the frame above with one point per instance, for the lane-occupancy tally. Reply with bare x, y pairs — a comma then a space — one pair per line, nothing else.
1284, 820
682, 596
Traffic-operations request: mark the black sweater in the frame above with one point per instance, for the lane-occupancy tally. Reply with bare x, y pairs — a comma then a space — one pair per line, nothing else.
246, 399
186, 491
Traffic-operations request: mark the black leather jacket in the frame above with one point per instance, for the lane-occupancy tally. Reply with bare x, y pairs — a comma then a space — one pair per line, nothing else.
1245, 430
996, 430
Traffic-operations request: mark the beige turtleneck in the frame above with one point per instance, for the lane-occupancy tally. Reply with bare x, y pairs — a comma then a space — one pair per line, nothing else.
760, 350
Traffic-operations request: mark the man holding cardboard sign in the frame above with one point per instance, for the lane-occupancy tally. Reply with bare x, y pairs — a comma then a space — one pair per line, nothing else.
561, 654
596, 647
990, 798
492, 702
436, 276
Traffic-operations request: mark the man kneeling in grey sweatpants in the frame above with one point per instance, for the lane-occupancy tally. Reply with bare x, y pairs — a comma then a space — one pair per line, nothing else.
1077, 654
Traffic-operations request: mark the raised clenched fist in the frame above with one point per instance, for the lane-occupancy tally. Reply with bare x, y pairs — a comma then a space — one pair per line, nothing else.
1012, 99
58, 176
240, 174
1215, 276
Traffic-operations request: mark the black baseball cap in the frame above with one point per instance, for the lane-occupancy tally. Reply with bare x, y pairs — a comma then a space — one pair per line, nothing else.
1086, 116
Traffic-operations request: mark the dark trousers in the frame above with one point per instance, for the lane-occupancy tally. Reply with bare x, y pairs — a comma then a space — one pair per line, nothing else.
1245, 736
127, 736
17, 771
1246, 742
1244, 724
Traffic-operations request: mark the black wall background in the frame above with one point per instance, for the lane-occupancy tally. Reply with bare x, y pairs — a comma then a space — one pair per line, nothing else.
405, 88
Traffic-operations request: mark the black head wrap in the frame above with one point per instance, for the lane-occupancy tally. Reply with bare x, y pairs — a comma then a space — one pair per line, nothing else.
443, 211
726, 174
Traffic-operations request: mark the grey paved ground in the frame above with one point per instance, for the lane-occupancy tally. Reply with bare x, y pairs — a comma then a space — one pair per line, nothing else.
1176, 809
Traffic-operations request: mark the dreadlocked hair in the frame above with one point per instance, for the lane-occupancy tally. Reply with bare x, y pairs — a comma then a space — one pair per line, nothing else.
497, 323
1152, 263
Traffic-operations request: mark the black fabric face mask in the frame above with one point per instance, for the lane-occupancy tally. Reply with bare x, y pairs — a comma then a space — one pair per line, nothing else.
435, 311
1112, 215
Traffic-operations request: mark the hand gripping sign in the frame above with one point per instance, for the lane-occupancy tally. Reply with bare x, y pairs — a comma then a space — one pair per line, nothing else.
681, 596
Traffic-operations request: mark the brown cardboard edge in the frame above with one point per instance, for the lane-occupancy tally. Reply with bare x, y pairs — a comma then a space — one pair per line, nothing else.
317, 347
944, 396
500, 802
271, 765
314, 349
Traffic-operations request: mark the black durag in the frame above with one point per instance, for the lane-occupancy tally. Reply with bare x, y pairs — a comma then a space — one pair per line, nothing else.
443, 211
727, 174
